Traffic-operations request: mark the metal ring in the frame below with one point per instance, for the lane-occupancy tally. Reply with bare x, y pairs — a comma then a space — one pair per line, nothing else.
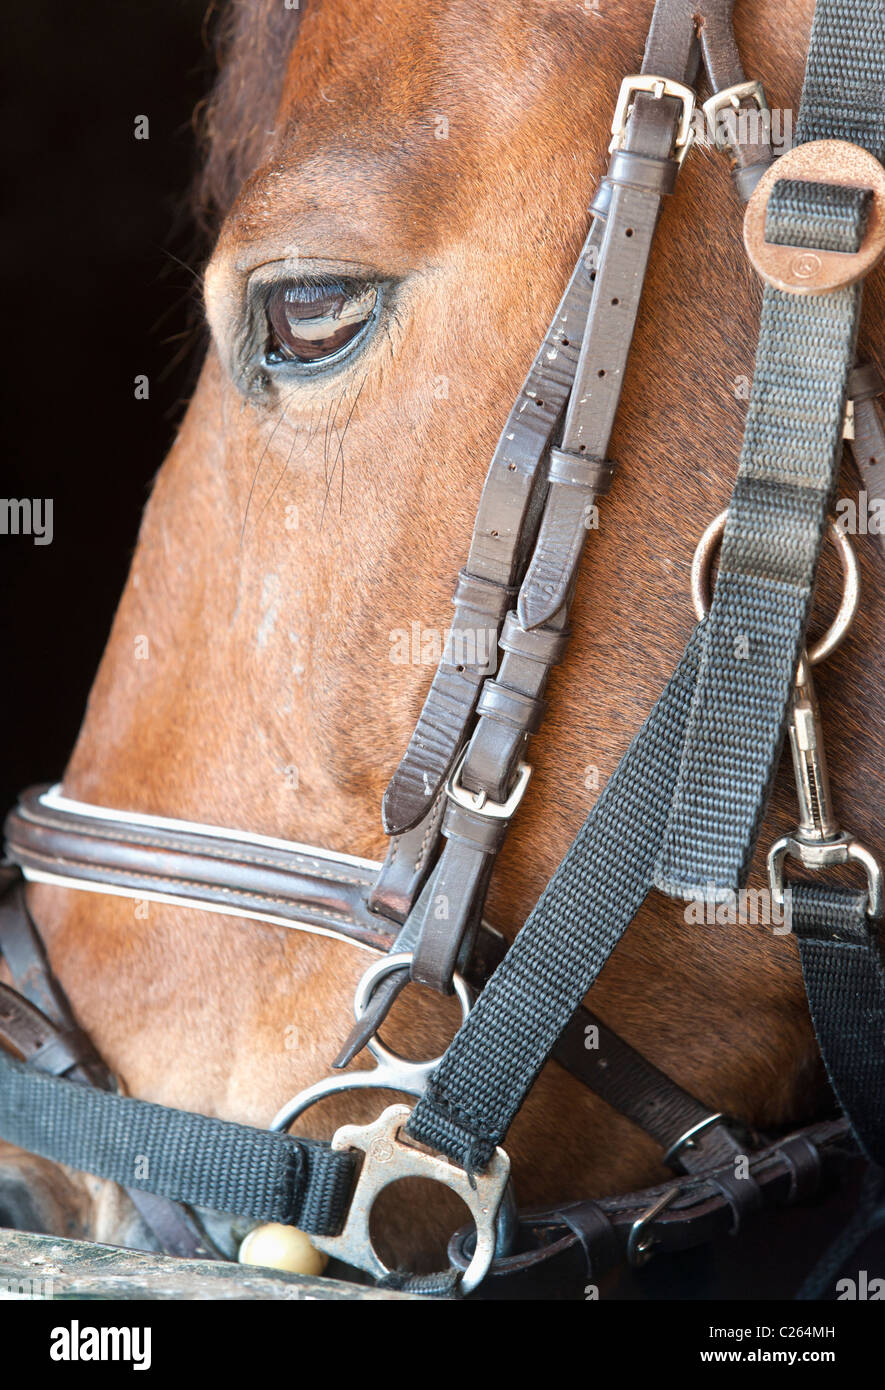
393, 1072
838, 629
389, 1157
400, 960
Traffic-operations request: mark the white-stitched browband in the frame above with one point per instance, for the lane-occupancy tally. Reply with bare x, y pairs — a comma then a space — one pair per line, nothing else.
54, 801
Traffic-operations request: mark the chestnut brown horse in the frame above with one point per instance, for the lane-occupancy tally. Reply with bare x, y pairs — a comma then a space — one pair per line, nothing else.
436, 157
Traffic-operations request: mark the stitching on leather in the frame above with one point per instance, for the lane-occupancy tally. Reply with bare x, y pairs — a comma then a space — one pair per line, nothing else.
257, 896
212, 852
428, 834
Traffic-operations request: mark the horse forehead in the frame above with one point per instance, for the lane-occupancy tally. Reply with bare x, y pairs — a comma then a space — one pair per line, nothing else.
377, 71
415, 120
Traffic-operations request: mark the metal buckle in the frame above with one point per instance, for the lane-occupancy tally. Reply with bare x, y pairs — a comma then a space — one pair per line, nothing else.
687, 1140
388, 1158
733, 97
479, 801
657, 87
639, 1247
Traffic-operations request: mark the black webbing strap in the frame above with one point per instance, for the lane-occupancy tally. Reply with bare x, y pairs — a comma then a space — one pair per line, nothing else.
495, 1056
683, 808
789, 464
845, 982
191, 1158
843, 97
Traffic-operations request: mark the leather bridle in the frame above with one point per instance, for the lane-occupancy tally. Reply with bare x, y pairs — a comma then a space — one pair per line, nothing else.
815, 225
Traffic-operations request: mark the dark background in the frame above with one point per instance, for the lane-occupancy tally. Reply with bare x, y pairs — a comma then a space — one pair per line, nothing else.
100, 267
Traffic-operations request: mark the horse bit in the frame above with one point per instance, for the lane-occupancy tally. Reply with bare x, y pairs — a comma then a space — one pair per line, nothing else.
680, 814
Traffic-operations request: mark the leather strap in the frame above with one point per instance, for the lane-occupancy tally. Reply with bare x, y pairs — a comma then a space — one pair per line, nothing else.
37, 1040
743, 131
694, 1137
290, 885
558, 1249
511, 705
865, 386
642, 171
505, 524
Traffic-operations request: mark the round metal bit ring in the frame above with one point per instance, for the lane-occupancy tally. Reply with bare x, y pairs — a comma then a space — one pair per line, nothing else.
835, 634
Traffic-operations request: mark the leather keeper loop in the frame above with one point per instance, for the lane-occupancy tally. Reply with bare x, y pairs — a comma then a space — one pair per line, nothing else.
61, 1052
482, 595
743, 1195
642, 171
805, 1165
510, 707
576, 471
601, 200
746, 176
865, 382
479, 832
537, 643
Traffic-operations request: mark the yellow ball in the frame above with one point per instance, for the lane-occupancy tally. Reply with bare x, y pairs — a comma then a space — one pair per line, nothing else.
276, 1246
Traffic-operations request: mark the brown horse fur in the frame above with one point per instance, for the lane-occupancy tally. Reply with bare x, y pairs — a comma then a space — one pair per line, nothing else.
268, 643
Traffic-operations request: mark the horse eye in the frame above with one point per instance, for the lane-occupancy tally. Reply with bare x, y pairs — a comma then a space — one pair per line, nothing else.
309, 322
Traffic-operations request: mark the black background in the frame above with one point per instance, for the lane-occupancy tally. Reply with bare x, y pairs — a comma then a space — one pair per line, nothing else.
100, 266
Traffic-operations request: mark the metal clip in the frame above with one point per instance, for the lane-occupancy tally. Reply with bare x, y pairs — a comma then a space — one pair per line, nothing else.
657, 87
817, 842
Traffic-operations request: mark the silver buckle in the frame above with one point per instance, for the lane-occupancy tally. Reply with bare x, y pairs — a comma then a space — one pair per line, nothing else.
640, 1247
732, 96
688, 1140
657, 87
388, 1158
479, 801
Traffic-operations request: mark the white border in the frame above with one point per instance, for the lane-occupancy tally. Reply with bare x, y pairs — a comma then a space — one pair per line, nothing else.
54, 801
148, 895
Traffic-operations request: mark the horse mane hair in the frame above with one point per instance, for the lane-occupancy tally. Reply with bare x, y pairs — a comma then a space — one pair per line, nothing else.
251, 40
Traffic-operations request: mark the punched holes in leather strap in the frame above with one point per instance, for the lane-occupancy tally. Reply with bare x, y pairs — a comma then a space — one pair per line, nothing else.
573, 469
846, 181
